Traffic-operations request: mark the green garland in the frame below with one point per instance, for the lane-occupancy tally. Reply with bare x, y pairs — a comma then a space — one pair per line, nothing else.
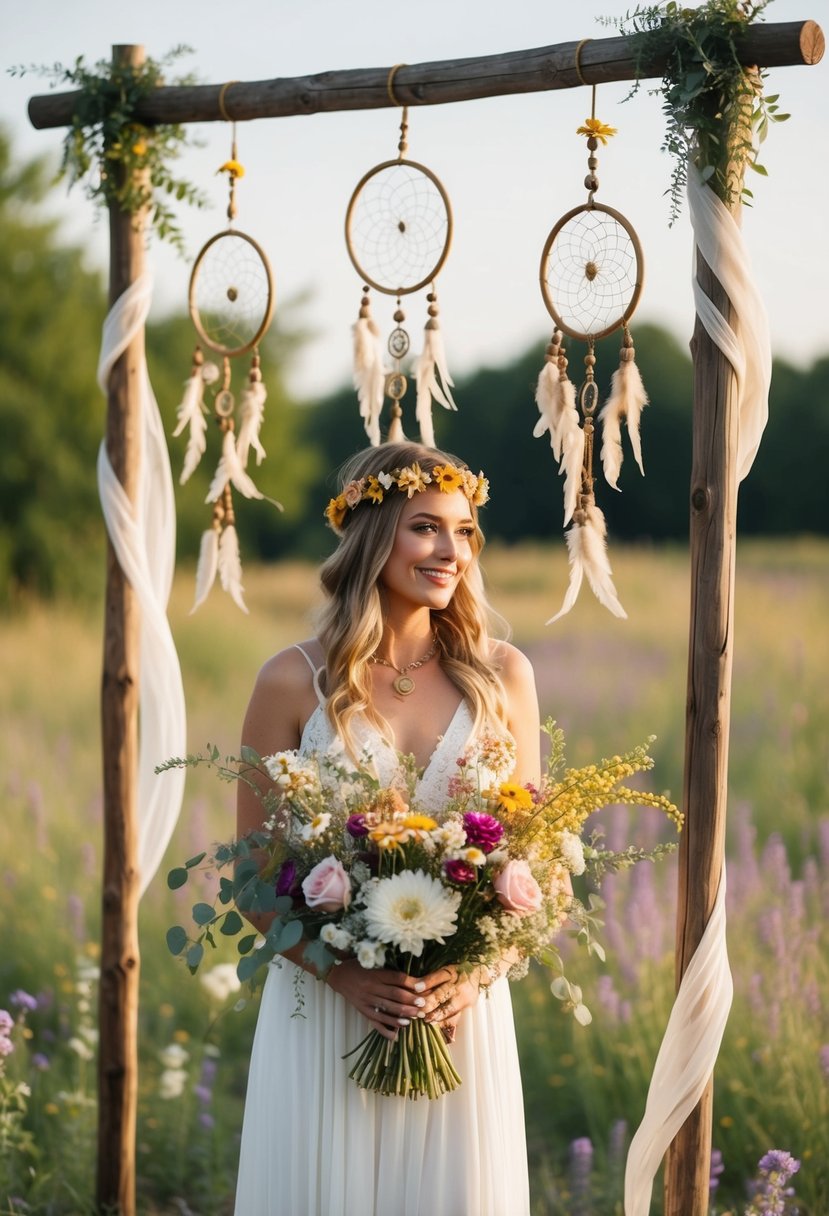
105, 145
715, 109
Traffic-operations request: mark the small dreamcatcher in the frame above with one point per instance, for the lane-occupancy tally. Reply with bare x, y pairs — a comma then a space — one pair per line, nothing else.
591, 280
398, 228
231, 303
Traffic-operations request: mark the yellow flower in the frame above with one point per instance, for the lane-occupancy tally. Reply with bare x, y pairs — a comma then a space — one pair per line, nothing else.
447, 478
374, 492
597, 129
335, 512
233, 167
481, 495
388, 835
412, 479
513, 797
140, 147
420, 823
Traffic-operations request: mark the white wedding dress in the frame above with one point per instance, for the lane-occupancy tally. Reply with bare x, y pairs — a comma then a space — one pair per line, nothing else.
315, 1144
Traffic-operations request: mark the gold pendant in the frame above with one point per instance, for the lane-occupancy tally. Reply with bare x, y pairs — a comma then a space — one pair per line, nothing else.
404, 685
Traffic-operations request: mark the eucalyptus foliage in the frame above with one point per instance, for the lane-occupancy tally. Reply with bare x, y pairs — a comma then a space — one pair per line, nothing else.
122, 162
714, 106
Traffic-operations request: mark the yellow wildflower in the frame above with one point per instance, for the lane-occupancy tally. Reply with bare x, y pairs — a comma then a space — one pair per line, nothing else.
140, 147
233, 167
595, 128
513, 797
481, 495
390, 835
335, 512
412, 479
374, 492
447, 478
420, 823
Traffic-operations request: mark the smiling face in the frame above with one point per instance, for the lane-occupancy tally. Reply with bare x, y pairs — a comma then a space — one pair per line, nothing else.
434, 544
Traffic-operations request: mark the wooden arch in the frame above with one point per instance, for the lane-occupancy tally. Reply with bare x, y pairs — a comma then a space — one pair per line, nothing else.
713, 501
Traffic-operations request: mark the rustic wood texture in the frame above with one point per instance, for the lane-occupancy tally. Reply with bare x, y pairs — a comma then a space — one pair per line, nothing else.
118, 1000
429, 84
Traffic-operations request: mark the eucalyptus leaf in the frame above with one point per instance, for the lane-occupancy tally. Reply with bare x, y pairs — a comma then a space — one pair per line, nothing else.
582, 1015
194, 861
176, 939
195, 955
177, 878
203, 914
246, 944
232, 923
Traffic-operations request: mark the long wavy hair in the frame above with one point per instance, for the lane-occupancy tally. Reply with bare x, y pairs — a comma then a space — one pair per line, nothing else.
350, 623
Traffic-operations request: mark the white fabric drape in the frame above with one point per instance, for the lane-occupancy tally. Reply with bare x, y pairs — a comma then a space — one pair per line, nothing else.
692, 1038
144, 541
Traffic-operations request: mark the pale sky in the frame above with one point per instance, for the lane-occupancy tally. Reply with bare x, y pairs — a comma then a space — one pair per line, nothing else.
511, 165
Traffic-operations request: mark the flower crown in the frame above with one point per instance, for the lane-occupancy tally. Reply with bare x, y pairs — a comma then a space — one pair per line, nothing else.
411, 480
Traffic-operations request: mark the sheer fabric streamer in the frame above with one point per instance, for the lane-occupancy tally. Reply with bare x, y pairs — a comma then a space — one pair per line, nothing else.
692, 1039
143, 538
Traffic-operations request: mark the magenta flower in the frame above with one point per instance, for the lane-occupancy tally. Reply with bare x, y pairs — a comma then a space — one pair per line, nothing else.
483, 830
356, 825
459, 871
286, 883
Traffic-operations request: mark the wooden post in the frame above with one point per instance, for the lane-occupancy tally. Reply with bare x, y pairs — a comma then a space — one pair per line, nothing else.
118, 1002
715, 437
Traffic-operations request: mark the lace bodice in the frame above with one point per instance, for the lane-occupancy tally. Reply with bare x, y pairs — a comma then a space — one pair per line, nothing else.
432, 787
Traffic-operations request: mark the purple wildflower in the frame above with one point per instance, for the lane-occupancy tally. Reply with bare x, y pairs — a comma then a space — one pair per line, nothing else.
482, 830
356, 825
21, 999
459, 871
40, 1062
716, 1169
6, 1025
581, 1167
206, 1120
770, 1190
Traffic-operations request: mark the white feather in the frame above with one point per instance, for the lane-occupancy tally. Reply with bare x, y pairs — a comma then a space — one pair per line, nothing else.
627, 400
431, 363
230, 566
547, 398
191, 412
252, 412
207, 566
587, 553
369, 375
570, 439
229, 469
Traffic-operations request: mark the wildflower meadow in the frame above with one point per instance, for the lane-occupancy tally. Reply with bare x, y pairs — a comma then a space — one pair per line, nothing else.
609, 684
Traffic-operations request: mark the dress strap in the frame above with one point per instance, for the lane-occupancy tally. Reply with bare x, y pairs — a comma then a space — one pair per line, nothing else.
315, 672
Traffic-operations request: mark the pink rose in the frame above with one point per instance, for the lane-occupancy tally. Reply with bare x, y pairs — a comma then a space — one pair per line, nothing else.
353, 493
517, 889
327, 887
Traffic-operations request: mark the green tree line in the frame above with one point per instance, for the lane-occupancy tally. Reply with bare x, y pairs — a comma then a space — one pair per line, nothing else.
52, 418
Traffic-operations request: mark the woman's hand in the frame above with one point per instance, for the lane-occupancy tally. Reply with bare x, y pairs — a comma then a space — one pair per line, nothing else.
448, 993
389, 999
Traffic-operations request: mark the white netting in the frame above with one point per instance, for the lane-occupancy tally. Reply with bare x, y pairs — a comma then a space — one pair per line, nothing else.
399, 227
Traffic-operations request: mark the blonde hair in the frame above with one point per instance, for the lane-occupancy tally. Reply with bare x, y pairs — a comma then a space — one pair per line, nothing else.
350, 624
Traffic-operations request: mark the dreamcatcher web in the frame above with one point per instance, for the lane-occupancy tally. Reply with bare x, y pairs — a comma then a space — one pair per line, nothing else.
591, 272
231, 293
398, 227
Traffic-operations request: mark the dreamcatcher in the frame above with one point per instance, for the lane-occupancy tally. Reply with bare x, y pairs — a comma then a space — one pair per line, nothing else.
591, 279
231, 302
398, 229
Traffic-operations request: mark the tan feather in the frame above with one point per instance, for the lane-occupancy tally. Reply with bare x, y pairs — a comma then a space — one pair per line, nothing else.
230, 566
369, 375
207, 566
431, 364
252, 413
587, 553
627, 400
229, 469
547, 398
191, 412
571, 441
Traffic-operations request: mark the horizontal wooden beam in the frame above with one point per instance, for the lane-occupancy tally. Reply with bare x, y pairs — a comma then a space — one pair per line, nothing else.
428, 84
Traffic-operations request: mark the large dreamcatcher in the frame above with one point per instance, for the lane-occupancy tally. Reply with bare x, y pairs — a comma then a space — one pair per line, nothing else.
591, 280
231, 302
398, 228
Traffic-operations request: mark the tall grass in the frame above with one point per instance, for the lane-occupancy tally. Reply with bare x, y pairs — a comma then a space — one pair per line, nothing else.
608, 683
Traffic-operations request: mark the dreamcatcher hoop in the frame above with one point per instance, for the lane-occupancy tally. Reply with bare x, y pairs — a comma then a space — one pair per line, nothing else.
591, 271
201, 266
361, 197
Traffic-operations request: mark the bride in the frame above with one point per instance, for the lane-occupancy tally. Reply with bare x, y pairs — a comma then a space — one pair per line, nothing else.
403, 663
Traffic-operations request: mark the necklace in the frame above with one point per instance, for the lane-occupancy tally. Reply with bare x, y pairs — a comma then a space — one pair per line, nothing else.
404, 684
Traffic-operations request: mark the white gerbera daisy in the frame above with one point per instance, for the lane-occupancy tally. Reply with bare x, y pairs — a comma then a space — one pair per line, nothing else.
411, 908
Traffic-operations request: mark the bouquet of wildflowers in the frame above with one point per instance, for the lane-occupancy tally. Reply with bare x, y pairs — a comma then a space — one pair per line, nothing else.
355, 868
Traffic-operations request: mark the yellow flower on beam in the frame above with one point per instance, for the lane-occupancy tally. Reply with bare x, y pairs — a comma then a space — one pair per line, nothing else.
513, 797
595, 128
233, 167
